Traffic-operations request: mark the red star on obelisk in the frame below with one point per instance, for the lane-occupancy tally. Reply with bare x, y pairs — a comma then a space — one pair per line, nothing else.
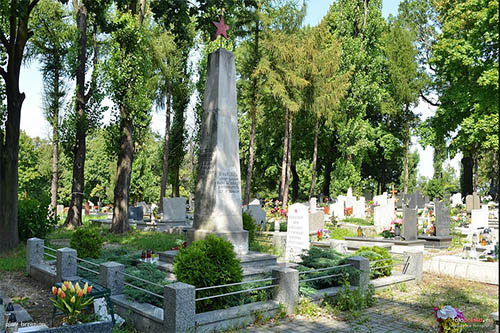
222, 28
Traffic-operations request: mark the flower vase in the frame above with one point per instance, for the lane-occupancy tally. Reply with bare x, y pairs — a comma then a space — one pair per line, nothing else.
397, 230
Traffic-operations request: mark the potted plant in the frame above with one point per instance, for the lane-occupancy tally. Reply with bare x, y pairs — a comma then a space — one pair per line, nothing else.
71, 299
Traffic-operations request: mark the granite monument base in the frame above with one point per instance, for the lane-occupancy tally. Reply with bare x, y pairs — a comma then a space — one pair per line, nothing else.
399, 246
239, 239
436, 242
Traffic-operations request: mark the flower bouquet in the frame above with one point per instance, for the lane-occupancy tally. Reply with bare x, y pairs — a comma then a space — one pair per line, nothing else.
323, 234
450, 319
71, 300
388, 232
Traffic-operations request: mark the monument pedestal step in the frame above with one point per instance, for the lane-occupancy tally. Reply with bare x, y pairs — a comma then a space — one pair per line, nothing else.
399, 246
436, 242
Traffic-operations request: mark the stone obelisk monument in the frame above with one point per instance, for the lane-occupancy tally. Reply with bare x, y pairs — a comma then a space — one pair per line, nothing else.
218, 190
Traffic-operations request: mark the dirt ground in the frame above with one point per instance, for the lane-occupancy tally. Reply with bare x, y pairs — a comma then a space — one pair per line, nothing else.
31, 294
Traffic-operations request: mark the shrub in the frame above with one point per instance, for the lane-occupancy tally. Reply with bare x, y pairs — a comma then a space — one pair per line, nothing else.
87, 242
209, 262
322, 258
148, 272
249, 225
376, 253
354, 300
33, 218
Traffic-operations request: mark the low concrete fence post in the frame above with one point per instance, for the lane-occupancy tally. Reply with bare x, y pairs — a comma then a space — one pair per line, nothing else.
34, 252
179, 307
111, 276
363, 265
287, 292
415, 263
66, 264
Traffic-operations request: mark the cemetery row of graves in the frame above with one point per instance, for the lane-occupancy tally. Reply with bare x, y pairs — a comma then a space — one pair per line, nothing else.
316, 241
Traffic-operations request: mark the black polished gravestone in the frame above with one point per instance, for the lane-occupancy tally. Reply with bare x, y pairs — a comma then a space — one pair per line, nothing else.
136, 213
442, 240
410, 229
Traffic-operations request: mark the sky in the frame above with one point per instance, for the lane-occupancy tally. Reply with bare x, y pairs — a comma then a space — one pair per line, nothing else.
34, 123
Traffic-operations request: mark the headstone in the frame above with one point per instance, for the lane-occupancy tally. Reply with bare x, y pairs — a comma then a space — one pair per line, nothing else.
145, 207
472, 202
174, 209
135, 213
380, 200
442, 219
359, 209
338, 208
479, 219
381, 217
410, 223
476, 201
218, 189
316, 221
399, 201
349, 201
391, 207
456, 199
297, 234
257, 212
59, 209
313, 204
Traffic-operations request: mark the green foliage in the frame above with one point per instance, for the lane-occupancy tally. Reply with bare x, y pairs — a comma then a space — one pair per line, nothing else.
34, 219
322, 258
87, 242
340, 233
209, 262
356, 220
14, 260
376, 253
142, 240
307, 308
249, 225
148, 272
353, 301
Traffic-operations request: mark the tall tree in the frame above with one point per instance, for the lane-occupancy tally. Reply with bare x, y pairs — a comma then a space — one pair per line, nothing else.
129, 70
406, 81
76, 144
50, 45
14, 17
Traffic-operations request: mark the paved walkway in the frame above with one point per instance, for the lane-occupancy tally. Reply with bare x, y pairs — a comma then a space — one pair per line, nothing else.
384, 317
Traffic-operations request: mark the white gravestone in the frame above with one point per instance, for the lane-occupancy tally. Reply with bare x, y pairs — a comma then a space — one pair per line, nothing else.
174, 209
456, 199
349, 199
382, 217
479, 218
380, 200
391, 207
257, 212
312, 204
297, 234
359, 209
338, 208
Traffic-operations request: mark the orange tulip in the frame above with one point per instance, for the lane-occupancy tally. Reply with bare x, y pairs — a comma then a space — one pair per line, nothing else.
66, 283
62, 295
80, 293
89, 289
54, 290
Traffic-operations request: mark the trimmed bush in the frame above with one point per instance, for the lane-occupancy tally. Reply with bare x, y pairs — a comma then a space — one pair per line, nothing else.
249, 225
33, 218
322, 258
209, 262
376, 253
87, 242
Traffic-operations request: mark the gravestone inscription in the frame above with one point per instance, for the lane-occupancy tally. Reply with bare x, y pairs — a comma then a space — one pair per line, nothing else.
297, 234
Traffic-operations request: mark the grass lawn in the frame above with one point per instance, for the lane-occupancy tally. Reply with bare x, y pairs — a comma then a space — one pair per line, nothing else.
358, 221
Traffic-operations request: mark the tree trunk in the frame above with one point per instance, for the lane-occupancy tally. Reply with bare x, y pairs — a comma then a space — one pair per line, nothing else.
176, 185
466, 177
315, 157
123, 174
289, 162
493, 191
9, 237
164, 175
74, 218
253, 115
382, 178
407, 153
295, 183
9, 138
55, 145
284, 160
476, 168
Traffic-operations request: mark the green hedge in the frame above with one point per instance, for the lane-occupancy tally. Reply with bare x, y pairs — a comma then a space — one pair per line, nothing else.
377, 253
